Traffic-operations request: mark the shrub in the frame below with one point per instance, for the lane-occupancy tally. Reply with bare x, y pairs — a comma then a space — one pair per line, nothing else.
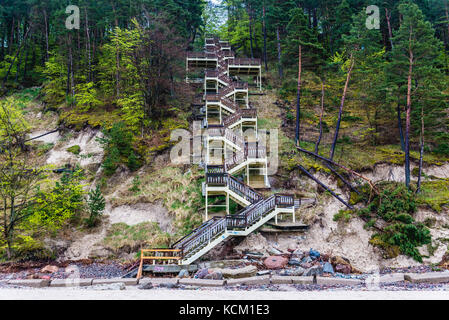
396, 206
96, 204
117, 143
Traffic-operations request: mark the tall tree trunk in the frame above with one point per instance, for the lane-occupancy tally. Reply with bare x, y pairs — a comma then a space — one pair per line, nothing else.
447, 19
317, 144
265, 40
421, 151
337, 129
46, 35
401, 132
298, 96
390, 34
251, 31
88, 49
17, 54
280, 69
407, 116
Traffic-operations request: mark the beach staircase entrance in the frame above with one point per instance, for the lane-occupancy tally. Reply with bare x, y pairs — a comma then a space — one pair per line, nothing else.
226, 115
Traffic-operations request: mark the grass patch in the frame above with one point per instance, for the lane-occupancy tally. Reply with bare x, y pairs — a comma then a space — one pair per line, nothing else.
179, 192
76, 149
434, 194
122, 237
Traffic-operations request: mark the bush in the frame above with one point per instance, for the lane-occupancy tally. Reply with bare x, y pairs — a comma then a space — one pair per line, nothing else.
117, 143
96, 204
396, 206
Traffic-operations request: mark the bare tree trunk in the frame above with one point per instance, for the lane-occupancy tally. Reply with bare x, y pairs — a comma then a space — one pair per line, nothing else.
321, 118
447, 19
251, 30
17, 54
265, 41
390, 34
46, 35
407, 117
89, 76
421, 152
337, 129
298, 97
281, 72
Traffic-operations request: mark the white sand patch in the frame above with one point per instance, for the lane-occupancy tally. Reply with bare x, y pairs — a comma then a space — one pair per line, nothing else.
49, 138
91, 151
81, 248
141, 212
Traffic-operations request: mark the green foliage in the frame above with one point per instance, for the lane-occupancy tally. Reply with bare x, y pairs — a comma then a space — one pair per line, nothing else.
76, 149
86, 97
396, 206
117, 143
343, 215
57, 205
96, 204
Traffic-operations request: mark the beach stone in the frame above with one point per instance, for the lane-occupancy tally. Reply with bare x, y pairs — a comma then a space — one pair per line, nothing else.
343, 268
244, 272
294, 262
327, 268
339, 260
202, 273
146, 286
217, 275
274, 251
306, 265
275, 262
313, 271
49, 269
313, 254
307, 259
292, 272
298, 254
183, 274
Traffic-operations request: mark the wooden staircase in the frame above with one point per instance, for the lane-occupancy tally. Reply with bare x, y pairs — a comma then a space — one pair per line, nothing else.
257, 210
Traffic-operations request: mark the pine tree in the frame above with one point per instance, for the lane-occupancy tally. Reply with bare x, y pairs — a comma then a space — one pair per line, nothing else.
414, 68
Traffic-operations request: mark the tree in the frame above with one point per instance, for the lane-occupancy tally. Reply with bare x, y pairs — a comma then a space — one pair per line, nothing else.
414, 59
96, 204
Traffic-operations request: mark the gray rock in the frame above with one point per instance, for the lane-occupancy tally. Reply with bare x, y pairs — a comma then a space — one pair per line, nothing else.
327, 268
299, 254
147, 286
168, 285
247, 271
217, 275
183, 274
306, 260
314, 271
202, 273
263, 272
294, 262
292, 272
274, 251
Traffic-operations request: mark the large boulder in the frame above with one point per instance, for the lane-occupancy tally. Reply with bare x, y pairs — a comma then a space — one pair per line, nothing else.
216, 275
343, 268
275, 262
202, 273
253, 243
244, 272
327, 268
49, 269
313, 271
